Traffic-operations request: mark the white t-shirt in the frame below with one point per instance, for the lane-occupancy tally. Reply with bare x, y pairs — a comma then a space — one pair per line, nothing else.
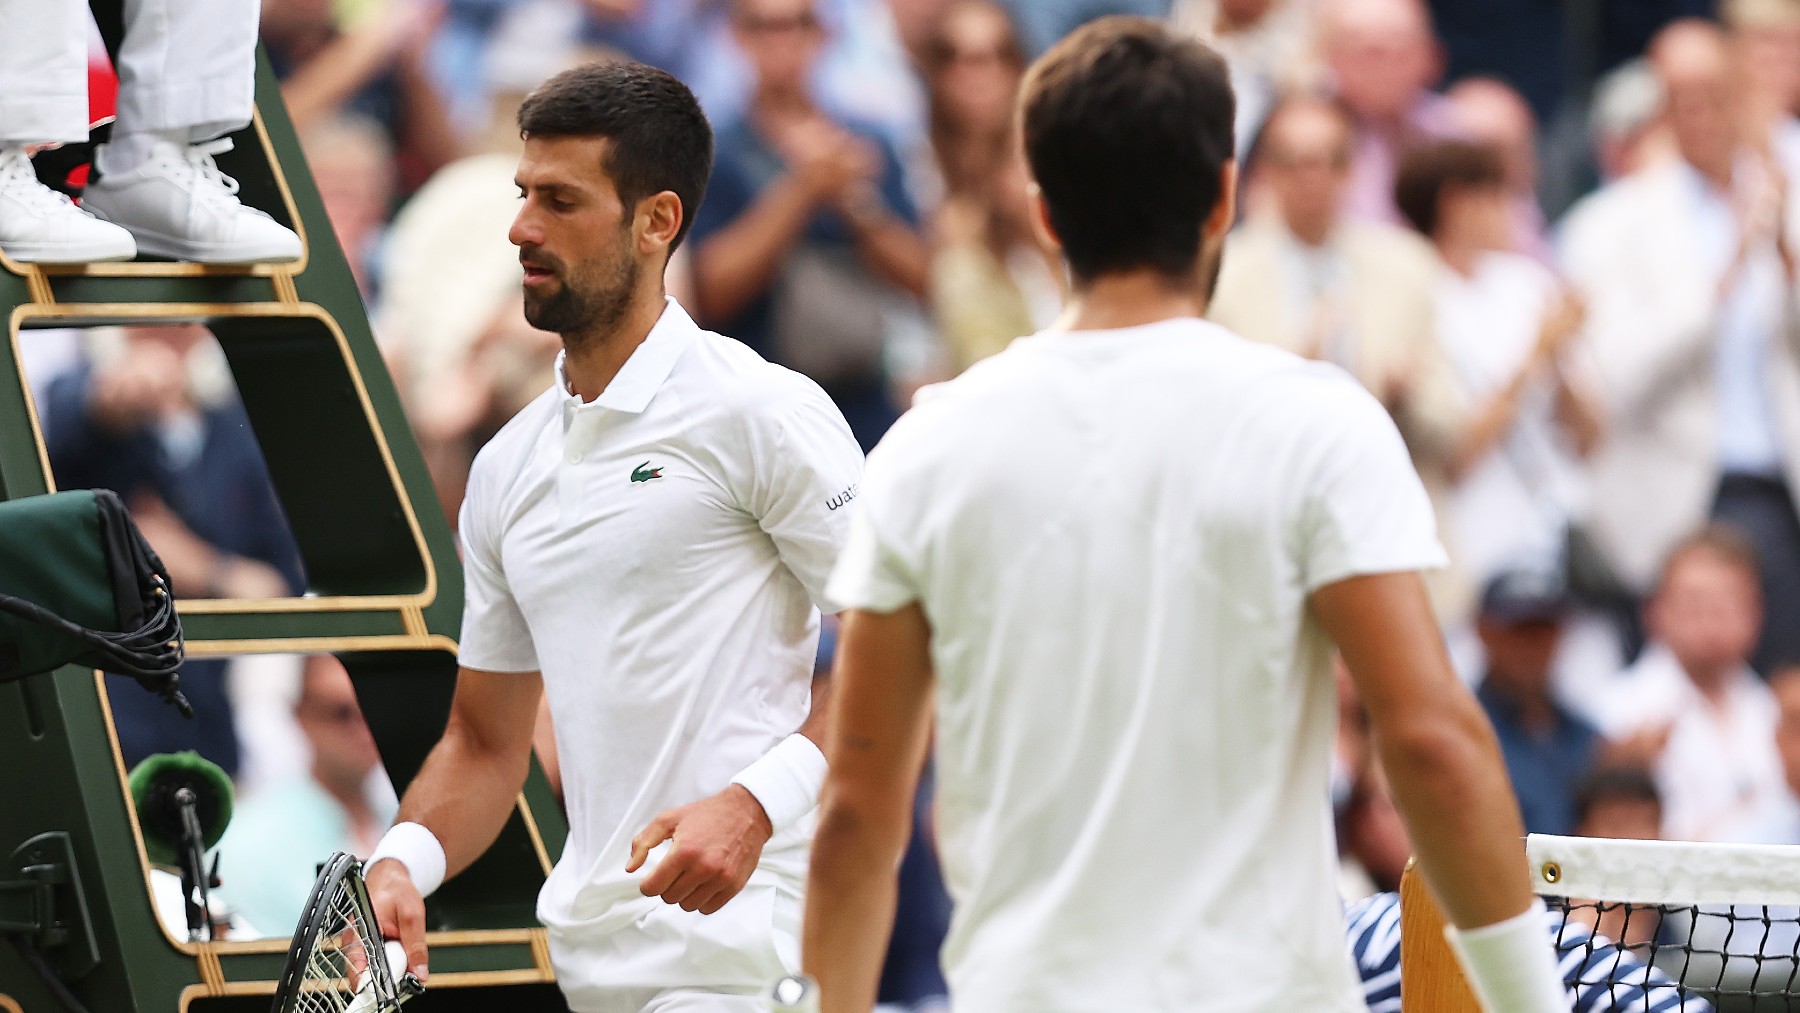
1513, 507
660, 555
1113, 535
1720, 770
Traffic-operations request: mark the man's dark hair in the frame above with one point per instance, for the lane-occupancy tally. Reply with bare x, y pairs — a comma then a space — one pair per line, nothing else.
1127, 128
1427, 172
1616, 783
660, 137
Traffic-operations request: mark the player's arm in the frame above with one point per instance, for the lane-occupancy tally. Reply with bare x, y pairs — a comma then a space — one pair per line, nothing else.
1449, 782
881, 720
462, 797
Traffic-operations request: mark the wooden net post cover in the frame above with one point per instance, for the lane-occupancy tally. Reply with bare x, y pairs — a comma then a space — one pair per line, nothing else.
1431, 978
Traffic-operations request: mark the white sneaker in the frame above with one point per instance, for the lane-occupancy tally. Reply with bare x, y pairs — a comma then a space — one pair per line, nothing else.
40, 226
178, 204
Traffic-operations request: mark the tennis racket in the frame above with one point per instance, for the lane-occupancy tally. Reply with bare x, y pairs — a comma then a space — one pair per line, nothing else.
338, 963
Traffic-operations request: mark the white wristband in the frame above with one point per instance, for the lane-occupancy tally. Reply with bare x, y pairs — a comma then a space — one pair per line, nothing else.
417, 848
786, 780
1511, 964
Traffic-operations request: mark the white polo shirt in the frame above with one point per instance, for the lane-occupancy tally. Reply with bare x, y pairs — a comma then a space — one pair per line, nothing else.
1113, 535
660, 554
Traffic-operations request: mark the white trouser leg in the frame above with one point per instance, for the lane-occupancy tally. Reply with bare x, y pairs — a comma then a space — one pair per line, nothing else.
187, 68
187, 73
43, 71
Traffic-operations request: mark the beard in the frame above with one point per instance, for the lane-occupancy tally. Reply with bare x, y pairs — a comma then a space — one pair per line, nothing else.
589, 302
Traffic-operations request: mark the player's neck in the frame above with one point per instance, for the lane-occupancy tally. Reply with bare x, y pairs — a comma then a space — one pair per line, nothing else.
1133, 299
593, 358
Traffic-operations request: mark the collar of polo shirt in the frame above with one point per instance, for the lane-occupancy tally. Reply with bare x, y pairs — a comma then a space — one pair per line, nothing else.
644, 372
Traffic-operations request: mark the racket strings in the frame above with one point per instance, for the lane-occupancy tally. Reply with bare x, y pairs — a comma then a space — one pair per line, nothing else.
336, 962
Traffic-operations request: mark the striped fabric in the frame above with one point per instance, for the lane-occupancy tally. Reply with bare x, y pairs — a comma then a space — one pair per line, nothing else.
1602, 978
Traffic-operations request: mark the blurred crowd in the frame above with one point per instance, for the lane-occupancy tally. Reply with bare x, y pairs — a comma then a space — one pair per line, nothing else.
1555, 240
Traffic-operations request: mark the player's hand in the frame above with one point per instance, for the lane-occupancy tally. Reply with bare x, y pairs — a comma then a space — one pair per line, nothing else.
399, 910
718, 841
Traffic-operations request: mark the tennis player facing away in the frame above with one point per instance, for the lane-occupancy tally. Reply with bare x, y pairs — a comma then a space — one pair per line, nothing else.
1118, 555
646, 543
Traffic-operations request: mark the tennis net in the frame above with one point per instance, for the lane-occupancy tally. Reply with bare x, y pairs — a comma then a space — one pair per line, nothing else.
1644, 927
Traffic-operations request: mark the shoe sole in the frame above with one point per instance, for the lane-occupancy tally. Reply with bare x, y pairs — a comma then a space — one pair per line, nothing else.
31, 253
157, 245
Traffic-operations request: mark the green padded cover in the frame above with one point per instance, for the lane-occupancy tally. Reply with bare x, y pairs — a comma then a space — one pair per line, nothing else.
51, 555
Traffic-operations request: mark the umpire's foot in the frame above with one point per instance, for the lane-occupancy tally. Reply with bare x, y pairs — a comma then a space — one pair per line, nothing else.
39, 225
179, 205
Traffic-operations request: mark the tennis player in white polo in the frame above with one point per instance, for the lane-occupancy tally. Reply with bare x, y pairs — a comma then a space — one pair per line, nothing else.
652, 535
1117, 554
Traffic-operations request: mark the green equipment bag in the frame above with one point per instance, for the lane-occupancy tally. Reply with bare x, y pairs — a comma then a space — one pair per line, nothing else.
80, 585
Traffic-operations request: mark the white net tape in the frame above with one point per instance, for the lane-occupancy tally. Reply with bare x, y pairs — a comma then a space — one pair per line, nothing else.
1718, 923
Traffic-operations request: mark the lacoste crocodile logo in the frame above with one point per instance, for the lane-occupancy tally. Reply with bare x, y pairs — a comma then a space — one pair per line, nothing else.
644, 473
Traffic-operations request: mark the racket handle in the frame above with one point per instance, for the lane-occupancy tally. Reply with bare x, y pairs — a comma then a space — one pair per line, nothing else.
396, 960
405, 984
795, 993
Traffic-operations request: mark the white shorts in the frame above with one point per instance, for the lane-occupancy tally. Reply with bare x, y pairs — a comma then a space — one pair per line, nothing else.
724, 962
682, 1000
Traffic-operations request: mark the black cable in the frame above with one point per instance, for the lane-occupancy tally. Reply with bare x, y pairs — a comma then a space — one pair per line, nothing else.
34, 959
151, 654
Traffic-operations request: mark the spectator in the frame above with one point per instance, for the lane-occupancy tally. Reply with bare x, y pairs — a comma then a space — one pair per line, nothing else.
863, 73
1628, 27
1373, 846
1298, 274
1620, 802
806, 247
1622, 123
1688, 281
378, 68
459, 57
1766, 38
452, 322
1488, 111
1383, 58
972, 63
1506, 328
342, 802
1691, 705
1549, 752
1043, 22
352, 164
1524, 42
1267, 43
152, 415
1372, 835
990, 279
1780, 822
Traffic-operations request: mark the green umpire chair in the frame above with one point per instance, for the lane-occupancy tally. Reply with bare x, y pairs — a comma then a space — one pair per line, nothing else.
384, 594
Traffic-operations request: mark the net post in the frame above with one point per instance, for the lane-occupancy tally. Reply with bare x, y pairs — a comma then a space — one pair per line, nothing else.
1431, 978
